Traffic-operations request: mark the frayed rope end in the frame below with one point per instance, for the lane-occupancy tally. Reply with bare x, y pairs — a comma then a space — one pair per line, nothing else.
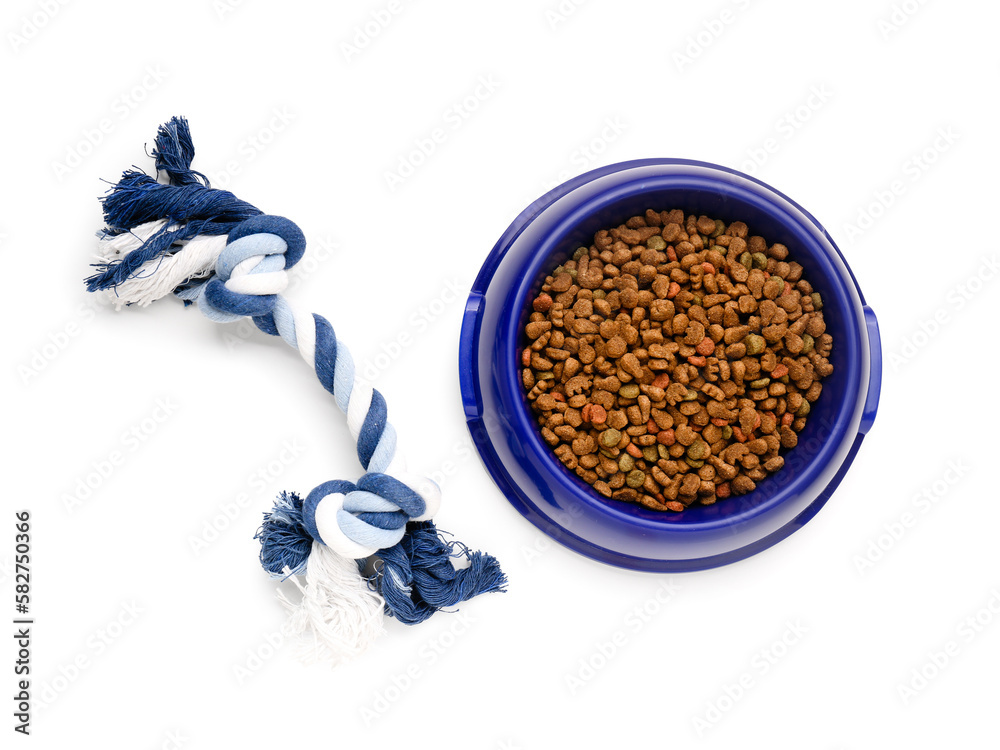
337, 617
183, 209
284, 541
417, 577
174, 152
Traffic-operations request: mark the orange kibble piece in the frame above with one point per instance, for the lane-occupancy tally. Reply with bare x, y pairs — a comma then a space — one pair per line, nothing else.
673, 290
722, 491
720, 422
666, 437
779, 371
706, 347
738, 434
633, 450
671, 253
708, 267
662, 380
542, 303
651, 427
598, 415
696, 361
787, 419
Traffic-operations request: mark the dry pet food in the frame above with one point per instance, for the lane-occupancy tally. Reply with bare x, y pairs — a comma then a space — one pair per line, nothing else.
674, 361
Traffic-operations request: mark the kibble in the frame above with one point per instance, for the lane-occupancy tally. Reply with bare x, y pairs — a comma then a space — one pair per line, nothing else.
675, 360
635, 478
610, 438
629, 391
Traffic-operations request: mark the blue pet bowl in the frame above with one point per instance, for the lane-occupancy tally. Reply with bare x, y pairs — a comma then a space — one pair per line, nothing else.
554, 498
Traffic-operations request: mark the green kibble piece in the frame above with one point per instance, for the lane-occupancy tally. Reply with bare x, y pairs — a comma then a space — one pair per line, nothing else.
694, 463
759, 261
817, 301
697, 450
727, 432
656, 242
649, 453
580, 252
803, 410
559, 270
720, 228
626, 463
746, 259
754, 344
690, 395
696, 301
662, 451
630, 390
608, 453
784, 379
704, 239
635, 478
760, 383
572, 272
600, 294
610, 437
547, 375
808, 342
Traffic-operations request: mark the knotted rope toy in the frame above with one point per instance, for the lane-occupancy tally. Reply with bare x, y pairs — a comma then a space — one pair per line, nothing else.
209, 248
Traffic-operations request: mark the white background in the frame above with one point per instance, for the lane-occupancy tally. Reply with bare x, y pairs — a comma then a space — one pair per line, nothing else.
728, 82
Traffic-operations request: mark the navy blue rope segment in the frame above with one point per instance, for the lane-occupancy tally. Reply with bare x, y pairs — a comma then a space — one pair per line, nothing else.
189, 210
417, 578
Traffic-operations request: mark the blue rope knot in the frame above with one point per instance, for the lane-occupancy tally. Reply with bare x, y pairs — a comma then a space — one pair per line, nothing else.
354, 520
250, 271
357, 520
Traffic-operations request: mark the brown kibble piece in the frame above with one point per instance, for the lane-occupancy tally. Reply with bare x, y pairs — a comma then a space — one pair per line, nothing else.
537, 328
789, 439
615, 347
630, 364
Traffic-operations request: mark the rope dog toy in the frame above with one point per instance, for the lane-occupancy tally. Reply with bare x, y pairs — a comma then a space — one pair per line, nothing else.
209, 248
